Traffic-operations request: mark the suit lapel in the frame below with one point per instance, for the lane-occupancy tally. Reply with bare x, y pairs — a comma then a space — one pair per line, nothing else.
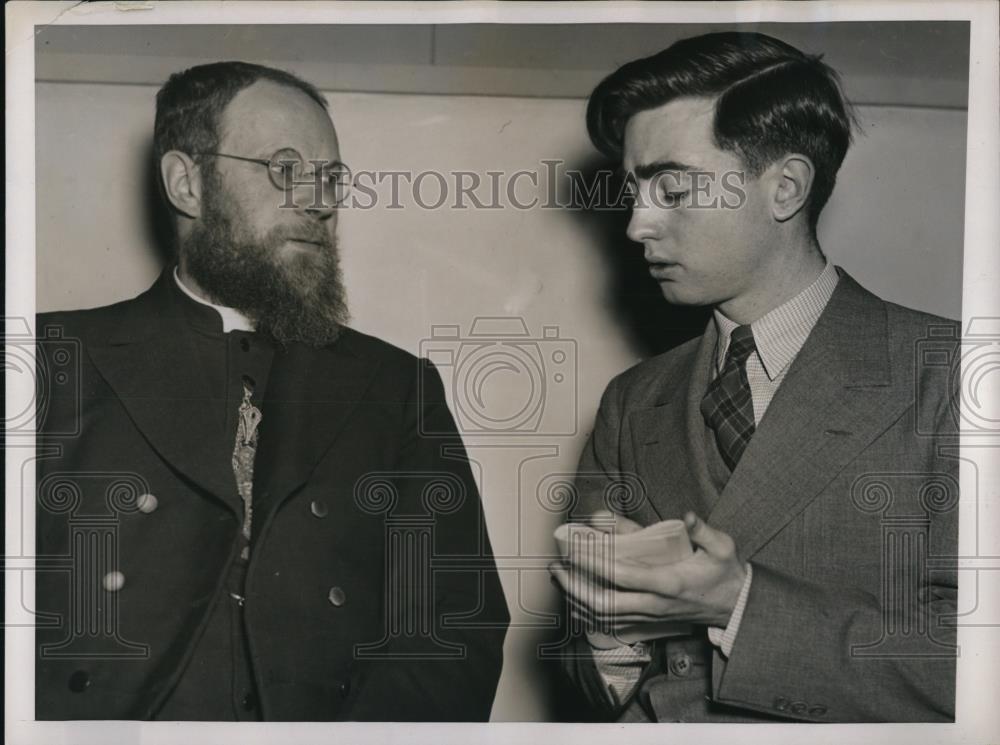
669, 437
837, 397
310, 396
150, 363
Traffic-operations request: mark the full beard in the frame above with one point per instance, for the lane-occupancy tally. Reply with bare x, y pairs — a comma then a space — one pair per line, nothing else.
289, 295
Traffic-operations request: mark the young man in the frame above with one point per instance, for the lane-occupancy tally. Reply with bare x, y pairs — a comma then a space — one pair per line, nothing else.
776, 436
246, 475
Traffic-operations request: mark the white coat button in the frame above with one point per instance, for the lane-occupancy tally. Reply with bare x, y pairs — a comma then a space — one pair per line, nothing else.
147, 503
337, 597
114, 581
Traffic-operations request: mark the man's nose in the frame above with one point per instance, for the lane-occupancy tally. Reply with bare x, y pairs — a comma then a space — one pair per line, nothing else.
312, 203
642, 224
320, 212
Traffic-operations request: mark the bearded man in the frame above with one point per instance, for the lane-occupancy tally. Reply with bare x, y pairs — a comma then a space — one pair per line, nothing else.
239, 517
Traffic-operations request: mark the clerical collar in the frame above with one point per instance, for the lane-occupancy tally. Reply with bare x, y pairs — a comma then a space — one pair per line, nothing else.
232, 319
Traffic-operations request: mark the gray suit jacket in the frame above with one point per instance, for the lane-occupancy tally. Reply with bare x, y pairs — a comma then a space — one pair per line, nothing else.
843, 499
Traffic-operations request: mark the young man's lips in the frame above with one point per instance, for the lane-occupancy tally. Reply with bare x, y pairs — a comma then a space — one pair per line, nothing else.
662, 269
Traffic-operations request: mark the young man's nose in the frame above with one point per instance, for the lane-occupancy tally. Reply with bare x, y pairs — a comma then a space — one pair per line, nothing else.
643, 225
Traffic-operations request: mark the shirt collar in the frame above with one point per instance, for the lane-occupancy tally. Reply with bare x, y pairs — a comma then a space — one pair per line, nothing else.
232, 319
780, 334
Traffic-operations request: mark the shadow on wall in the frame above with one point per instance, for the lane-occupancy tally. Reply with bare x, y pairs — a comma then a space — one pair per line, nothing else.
635, 301
157, 215
651, 325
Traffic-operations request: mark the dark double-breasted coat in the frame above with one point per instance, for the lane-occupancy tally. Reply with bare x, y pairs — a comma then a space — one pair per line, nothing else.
371, 592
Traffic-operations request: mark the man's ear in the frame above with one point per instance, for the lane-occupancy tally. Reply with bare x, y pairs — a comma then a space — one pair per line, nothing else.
182, 182
794, 176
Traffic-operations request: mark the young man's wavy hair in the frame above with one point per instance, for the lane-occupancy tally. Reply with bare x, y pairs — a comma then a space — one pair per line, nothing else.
771, 100
191, 102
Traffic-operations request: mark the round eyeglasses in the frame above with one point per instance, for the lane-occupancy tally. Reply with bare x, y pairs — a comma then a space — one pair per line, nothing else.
287, 170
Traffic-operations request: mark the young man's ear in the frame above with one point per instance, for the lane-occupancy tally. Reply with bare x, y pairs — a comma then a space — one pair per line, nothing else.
182, 182
794, 175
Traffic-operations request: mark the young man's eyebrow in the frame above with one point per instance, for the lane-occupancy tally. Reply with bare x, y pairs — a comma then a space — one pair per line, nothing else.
649, 170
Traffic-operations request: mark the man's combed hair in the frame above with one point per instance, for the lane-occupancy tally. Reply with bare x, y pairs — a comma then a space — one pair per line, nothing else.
771, 100
189, 105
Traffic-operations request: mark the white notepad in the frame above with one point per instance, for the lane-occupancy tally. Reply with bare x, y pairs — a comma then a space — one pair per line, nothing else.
660, 544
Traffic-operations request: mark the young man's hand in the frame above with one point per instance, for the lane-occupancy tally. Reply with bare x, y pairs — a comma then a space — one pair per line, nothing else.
701, 589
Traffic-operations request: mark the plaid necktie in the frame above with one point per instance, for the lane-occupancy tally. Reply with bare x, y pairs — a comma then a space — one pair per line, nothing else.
728, 405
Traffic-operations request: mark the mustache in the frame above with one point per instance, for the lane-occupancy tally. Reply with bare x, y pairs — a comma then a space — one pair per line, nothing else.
310, 233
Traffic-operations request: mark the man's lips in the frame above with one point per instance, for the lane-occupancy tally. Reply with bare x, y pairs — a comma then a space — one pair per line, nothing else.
309, 241
662, 269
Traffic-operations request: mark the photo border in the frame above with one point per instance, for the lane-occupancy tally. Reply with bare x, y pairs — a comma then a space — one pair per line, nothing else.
978, 668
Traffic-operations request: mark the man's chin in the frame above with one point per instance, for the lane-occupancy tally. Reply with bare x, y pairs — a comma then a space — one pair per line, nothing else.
677, 294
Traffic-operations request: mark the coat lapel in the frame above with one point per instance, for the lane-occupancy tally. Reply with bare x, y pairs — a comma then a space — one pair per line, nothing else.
668, 436
149, 362
310, 396
837, 397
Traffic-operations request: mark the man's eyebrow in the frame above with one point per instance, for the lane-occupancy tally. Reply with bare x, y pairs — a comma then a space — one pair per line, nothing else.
649, 170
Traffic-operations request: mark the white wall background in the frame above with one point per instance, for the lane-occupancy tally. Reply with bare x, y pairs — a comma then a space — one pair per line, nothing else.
895, 222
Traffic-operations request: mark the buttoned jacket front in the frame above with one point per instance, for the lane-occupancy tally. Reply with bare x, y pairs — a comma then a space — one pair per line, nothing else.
371, 592
845, 497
